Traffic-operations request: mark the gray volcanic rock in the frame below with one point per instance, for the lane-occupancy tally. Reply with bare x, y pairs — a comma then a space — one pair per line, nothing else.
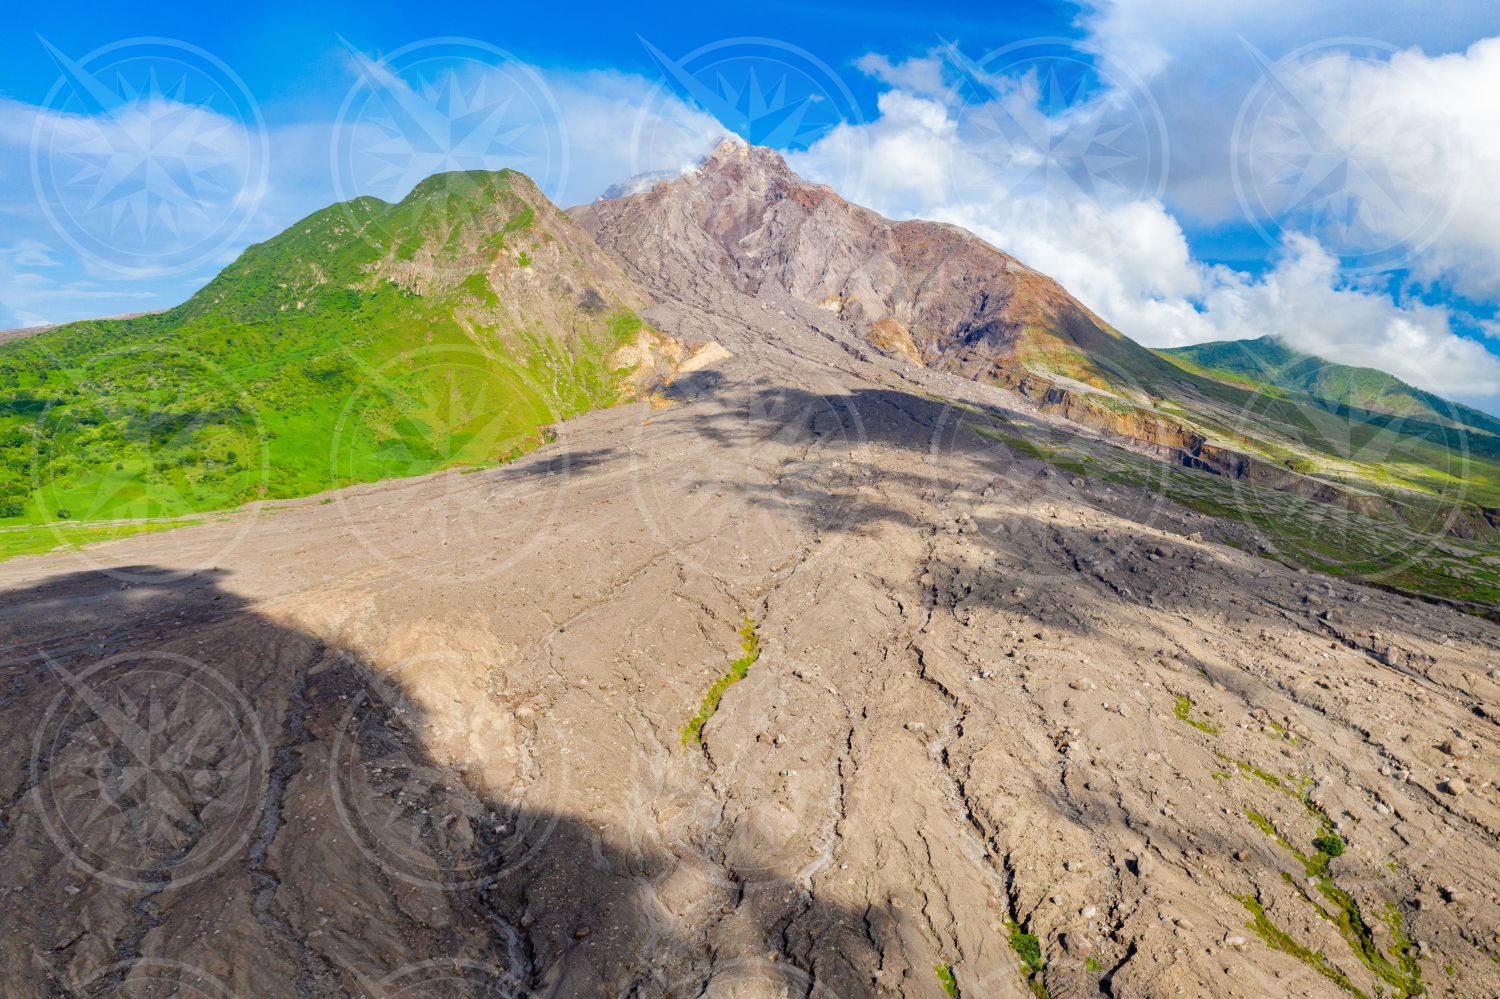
960, 303
1036, 731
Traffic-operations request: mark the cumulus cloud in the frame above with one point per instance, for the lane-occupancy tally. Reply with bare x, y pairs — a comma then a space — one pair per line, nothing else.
1439, 131
921, 75
1044, 192
1306, 302
1153, 36
1305, 117
110, 226
1351, 161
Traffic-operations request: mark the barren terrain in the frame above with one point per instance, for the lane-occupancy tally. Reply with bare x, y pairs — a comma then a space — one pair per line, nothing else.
1003, 729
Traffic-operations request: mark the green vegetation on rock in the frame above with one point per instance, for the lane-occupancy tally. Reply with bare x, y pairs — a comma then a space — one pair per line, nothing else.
1336, 905
1182, 711
1279, 939
692, 732
1028, 948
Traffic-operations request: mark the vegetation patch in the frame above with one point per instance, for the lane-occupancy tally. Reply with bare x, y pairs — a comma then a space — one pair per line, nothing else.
1028, 948
1402, 945
692, 732
1400, 970
478, 285
1183, 710
1264, 776
1266, 826
624, 324
521, 221
305, 365
1278, 939
41, 539
946, 979
1331, 844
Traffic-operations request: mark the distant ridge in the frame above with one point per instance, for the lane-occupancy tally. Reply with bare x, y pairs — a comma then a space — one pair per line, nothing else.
1269, 360
21, 332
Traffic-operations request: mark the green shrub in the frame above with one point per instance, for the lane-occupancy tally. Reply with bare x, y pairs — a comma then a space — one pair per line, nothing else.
1329, 843
1027, 947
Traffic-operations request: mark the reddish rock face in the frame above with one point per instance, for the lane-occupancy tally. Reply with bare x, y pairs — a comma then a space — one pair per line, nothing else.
965, 306
939, 297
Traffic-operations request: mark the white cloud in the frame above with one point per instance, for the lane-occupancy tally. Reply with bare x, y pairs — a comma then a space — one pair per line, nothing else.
921, 75
1126, 256
618, 125
1153, 36
604, 125
1304, 300
1078, 190
1305, 117
1405, 142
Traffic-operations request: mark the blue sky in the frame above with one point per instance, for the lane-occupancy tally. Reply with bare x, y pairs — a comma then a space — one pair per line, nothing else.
1191, 171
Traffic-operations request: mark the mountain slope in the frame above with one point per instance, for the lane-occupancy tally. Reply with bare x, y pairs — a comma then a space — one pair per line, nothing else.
742, 232
972, 725
1268, 361
367, 341
933, 293
939, 296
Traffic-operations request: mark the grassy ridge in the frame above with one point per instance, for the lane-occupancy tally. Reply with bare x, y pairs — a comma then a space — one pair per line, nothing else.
1357, 424
307, 365
1268, 361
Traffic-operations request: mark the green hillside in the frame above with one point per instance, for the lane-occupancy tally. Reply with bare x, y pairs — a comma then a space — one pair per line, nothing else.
368, 341
1268, 361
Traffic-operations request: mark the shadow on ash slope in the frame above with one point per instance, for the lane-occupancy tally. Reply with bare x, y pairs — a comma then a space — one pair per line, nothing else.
1018, 729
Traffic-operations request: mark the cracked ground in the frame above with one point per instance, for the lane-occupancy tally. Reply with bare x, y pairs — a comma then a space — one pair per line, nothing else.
1043, 734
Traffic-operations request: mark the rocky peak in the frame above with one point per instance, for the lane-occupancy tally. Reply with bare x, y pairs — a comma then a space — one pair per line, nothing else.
929, 292
737, 161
